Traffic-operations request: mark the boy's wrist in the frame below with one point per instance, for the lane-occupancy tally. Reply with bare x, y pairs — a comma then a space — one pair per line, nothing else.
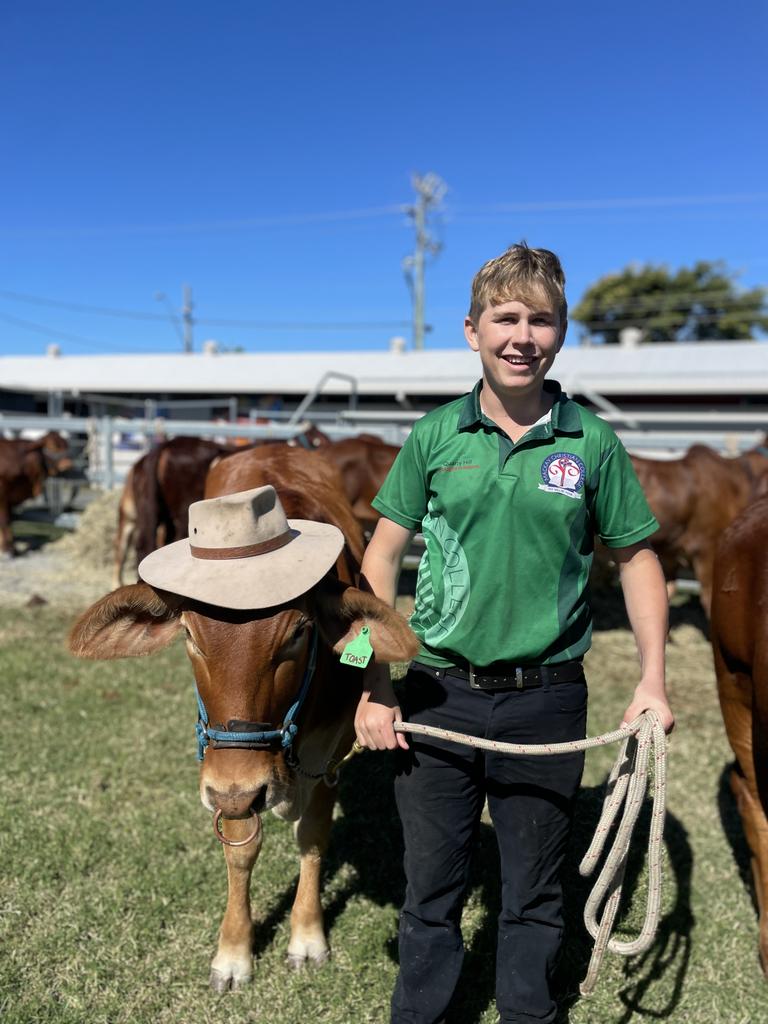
652, 681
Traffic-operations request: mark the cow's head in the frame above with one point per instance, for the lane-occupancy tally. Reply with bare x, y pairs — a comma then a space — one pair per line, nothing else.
249, 667
55, 451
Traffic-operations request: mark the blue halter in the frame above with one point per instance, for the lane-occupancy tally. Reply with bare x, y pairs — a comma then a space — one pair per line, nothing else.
262, 739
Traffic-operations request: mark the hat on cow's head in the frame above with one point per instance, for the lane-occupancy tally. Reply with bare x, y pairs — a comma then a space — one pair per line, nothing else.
243, 553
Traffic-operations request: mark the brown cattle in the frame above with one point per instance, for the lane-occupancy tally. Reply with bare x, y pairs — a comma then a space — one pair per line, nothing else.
24, 466
739, 632
162, 484
694, 498
363, 462
249, 667
157, 494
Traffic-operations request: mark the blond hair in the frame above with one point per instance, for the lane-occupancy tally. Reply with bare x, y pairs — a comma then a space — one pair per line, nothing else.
521, 274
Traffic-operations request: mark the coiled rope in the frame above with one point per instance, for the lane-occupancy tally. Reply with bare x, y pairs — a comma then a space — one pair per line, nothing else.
626, 787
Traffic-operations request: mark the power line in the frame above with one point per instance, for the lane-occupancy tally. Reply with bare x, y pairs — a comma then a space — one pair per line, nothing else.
53, 333
243, 224
340, 216
287, 325
663, 319
681, 300
78, 307
638, 202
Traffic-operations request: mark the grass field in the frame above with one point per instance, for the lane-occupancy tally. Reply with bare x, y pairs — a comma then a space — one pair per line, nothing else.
113, 885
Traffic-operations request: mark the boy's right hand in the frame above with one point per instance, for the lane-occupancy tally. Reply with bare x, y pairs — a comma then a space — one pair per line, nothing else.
376, 713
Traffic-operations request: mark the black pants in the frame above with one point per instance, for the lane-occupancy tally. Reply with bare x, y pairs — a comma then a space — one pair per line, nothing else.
440, 791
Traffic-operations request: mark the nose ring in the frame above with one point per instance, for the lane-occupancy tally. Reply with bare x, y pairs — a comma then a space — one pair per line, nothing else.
234, 842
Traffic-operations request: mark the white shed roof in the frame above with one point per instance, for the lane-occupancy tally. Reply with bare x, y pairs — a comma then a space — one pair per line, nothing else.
675, 369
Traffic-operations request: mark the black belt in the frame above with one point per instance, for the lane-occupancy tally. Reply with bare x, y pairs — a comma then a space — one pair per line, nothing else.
507, 676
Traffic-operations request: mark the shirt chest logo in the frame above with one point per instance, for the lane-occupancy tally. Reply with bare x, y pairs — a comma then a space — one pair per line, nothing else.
563, 473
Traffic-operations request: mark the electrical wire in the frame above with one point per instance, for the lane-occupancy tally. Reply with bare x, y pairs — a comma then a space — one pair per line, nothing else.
63, 335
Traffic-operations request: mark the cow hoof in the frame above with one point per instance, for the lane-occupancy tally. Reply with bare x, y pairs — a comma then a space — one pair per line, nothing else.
221, 982
298, 961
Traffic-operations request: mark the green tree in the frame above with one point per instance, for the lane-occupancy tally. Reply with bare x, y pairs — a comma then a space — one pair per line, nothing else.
702, 303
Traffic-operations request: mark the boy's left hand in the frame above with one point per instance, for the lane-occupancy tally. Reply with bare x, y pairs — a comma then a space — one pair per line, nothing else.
645, 699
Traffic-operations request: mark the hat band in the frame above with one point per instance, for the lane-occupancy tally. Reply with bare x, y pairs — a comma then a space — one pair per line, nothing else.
245, 550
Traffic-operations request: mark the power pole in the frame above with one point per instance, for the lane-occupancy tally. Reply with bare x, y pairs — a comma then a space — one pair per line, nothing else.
430, 190
186, 315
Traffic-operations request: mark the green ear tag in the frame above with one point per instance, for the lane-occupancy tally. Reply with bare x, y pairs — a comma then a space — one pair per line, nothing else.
358, 652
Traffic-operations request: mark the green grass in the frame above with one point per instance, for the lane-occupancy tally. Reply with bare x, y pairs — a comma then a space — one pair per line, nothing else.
112, 885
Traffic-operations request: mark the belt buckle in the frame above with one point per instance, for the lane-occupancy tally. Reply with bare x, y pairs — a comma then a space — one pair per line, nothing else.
518, 678
472, 682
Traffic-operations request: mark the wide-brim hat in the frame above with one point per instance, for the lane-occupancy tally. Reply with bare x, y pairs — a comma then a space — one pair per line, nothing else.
242, 552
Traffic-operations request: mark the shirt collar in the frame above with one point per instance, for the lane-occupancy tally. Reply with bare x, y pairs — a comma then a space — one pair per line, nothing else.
565, 415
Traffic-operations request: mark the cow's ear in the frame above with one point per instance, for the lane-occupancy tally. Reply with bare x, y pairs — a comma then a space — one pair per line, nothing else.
127, 623
344, 610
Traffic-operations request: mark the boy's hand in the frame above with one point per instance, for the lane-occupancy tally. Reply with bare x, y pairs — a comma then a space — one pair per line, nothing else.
647, 698
376, 713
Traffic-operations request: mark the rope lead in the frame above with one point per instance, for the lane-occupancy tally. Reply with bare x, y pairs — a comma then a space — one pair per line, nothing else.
626, 787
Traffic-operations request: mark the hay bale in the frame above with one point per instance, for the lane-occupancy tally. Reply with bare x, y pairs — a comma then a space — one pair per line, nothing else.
91, 545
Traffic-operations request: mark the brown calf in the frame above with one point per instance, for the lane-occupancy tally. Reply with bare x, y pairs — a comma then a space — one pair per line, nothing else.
249, 667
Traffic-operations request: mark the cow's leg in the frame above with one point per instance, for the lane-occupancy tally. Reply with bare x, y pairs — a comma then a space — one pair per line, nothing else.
702, 565
123, 540
756, 831
734, 689
232, 966
308, 941
6, 537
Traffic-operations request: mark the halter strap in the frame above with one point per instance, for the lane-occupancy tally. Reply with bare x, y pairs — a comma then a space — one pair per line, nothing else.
257, 739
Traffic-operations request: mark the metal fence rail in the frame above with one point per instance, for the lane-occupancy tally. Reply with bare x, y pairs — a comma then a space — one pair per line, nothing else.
108, 445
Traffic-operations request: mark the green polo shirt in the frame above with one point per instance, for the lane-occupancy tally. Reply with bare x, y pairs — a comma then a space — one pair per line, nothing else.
509, 528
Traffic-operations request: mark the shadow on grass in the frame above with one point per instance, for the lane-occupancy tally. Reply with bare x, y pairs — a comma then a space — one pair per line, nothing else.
368, 838
671, 949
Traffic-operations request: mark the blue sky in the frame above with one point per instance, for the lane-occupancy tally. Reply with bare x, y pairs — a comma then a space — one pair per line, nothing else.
263, 153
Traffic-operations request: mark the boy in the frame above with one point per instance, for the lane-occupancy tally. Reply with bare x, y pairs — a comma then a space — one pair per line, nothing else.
509, 486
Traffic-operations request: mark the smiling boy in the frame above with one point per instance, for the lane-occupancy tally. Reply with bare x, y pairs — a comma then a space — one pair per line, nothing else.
509, 486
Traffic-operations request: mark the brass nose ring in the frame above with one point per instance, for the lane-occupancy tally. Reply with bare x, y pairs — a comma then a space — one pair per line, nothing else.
234, 842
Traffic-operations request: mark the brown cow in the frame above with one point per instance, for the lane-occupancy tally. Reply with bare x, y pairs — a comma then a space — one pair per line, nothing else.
24, 466
364, 462
249, 667
694, 498
162, 484
739, 632
157, 494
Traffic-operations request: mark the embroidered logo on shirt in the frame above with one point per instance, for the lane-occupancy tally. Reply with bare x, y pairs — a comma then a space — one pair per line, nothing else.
563, 473
451, 467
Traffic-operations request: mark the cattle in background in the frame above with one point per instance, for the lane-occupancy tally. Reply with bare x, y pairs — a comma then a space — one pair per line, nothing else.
739, 633
157, 494
694, 498
24, 467
363, 462
249, 666
162, 484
